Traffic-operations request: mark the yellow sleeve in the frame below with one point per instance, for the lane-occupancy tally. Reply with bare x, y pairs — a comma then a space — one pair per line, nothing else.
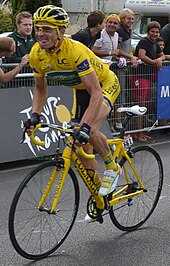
34, 61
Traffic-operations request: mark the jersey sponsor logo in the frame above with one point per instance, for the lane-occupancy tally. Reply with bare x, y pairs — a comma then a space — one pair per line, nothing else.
67, 78
62, 61
96, 63
84, 65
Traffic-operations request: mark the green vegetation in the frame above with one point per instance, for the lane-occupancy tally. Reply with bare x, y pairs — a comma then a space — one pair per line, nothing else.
6, 19
8, 12
30, 6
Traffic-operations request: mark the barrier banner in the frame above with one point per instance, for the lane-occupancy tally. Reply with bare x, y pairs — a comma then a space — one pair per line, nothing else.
16, 107
163, 93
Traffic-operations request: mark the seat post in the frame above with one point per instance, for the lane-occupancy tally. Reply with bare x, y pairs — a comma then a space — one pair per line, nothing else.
124, 124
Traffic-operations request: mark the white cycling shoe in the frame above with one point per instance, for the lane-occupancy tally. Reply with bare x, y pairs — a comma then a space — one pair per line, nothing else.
109, 181
88, 219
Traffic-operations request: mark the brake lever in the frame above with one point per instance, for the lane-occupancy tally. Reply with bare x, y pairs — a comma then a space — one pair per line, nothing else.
23, 135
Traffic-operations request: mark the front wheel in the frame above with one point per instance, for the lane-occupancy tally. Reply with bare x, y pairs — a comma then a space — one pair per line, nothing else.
130, 214
37, 233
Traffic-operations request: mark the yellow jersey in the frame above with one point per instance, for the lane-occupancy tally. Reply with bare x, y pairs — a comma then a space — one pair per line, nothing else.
66, 65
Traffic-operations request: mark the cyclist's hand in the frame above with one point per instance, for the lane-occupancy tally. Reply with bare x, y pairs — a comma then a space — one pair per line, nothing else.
31, 123
83, 134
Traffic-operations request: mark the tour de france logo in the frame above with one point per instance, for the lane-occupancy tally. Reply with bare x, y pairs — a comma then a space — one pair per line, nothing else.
48, 116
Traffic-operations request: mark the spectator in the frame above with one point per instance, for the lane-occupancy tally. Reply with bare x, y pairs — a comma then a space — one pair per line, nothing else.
7, 48
165, 34
107, 47
161, 43
95, 23
127, 17
22, 37
149, 52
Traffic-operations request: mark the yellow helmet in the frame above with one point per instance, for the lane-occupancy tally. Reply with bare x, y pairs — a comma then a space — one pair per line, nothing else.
52, 14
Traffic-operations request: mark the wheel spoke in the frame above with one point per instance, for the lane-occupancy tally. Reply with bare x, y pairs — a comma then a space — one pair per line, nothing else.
149, 167
34, 233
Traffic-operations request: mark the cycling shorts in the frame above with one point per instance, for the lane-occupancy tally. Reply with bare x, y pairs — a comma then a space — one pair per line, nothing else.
110, 89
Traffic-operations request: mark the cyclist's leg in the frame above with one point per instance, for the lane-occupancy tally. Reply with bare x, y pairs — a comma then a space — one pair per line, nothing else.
80, 104
98, 140
111, 90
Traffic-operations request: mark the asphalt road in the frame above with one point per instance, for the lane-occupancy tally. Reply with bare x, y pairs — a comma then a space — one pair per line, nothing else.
97, 244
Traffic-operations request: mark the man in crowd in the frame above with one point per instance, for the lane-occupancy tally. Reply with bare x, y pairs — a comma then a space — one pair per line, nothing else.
95, 23
127, 17
22, 37
149, 52
108, 47
7, 48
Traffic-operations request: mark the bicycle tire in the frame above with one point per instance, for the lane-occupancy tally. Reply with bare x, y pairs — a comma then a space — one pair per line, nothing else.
36, 234
128, 216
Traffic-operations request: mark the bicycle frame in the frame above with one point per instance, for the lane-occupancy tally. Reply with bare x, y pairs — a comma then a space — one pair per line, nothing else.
69, 156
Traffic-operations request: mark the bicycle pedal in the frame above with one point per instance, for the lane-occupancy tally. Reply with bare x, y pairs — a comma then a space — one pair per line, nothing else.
106, 201
99, 219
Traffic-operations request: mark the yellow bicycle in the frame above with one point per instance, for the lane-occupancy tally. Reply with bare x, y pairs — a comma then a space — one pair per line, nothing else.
46, 203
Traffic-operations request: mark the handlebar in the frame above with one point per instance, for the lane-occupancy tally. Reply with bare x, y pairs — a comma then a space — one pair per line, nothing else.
32, 137
84, 154
42, 143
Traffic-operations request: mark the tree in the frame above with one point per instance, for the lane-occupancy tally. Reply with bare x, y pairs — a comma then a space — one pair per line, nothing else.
6, 19
31, 6
17, 7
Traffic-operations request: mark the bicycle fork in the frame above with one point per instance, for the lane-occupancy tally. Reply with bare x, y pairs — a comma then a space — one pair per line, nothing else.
65, 168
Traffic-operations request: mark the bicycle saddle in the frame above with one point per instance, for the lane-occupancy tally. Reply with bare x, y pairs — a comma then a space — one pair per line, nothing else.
136, 110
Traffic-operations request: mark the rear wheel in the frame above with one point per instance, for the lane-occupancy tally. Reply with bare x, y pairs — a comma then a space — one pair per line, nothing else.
130, 214
36, 233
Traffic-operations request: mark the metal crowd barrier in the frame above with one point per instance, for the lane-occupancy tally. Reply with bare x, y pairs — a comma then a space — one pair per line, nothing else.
137, 88
129, 78
24, 79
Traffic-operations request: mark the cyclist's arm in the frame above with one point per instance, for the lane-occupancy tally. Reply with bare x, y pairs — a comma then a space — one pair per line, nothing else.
92, 85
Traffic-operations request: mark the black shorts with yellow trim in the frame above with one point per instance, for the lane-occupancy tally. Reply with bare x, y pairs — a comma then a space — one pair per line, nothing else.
110, 89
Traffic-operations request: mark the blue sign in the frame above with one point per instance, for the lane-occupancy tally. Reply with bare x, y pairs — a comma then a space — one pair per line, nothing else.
163, 93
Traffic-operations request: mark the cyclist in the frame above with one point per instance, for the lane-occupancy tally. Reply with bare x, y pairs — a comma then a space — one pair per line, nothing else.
53, 52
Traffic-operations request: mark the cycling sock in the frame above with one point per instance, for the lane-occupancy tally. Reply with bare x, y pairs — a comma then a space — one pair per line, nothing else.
109, 162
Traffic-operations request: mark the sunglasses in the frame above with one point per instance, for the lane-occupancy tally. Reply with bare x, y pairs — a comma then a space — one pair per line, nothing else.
45, 29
